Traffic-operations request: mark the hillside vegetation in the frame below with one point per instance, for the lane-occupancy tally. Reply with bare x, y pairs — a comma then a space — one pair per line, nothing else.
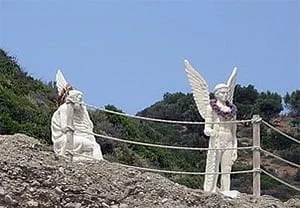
27, 104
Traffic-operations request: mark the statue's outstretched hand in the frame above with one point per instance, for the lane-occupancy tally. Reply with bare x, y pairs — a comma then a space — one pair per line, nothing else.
209, 131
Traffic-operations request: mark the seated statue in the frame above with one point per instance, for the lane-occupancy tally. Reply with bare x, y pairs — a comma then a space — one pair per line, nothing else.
222, 135
83, 144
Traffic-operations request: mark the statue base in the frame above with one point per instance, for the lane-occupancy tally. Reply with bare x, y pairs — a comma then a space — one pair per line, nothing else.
231, 194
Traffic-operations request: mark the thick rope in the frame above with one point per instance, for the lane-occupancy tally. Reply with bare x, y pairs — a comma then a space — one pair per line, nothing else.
165, 171
183, 172
163, 146
279, 180
279, 158
163, 120
280, 132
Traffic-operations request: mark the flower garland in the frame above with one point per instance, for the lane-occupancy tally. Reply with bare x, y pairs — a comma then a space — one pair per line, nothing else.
227, 115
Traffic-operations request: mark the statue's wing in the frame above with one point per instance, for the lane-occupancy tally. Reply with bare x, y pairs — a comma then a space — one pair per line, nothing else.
199, 88
61, 83
231, 84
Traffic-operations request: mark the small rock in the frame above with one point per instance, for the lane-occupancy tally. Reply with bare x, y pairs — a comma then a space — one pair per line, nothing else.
9, 200
35, 183
164, 200
105, 205
32, 203
73, 205
2, 192
123, 206
58, 190
114, 206
293, 202
47, 182
61, 169
77, 205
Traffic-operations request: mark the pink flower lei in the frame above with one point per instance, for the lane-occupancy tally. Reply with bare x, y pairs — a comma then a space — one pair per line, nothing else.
227, 115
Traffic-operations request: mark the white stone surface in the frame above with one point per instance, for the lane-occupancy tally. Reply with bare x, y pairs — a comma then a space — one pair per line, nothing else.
83, 143
231, 194
221, 135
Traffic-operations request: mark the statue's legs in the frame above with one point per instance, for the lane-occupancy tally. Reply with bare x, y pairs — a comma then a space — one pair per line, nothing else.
226, 163
212, 166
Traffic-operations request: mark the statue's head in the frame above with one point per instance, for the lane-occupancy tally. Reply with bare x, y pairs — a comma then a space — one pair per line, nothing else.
76, 97
221, 92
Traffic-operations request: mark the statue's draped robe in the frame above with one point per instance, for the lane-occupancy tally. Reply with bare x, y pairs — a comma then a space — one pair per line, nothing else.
84, 143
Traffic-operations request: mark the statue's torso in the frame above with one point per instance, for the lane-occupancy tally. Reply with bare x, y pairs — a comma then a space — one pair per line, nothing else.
225, 136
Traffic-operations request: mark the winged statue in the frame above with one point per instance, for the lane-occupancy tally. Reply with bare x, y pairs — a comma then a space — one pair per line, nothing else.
222, 135
83, 143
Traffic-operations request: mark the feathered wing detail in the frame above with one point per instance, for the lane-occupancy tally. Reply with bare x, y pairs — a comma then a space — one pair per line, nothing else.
231, 84
61, 83
199, 89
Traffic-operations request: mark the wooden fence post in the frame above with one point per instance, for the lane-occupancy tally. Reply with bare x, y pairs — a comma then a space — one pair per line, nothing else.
70, 127
256, 155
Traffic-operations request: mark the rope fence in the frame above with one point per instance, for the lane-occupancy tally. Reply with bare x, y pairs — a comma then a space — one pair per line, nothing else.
163, 120
256, 121
280, 132
185, 173
163, 146
279, 180
279, 158
166, 171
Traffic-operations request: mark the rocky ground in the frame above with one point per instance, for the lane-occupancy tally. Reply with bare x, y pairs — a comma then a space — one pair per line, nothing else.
32, 176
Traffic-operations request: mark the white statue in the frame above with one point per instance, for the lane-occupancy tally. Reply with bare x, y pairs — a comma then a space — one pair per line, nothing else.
83, 143
222, 135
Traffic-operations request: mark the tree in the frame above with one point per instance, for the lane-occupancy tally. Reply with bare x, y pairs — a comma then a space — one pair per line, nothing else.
292, 102
249, 102
245, 98
268, 105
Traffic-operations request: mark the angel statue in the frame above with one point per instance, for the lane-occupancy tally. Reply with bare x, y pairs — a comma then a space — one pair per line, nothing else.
83, 143
222, 135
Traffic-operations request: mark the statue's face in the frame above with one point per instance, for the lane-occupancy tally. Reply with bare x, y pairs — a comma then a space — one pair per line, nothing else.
222, 94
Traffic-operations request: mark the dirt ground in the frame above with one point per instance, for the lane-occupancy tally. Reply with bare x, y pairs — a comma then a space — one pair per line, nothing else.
32, 176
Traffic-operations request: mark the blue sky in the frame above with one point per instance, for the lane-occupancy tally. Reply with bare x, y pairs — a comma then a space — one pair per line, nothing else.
129, 53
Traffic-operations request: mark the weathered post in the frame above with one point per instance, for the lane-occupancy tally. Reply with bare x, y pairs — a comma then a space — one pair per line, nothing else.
256, 155
70, 127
